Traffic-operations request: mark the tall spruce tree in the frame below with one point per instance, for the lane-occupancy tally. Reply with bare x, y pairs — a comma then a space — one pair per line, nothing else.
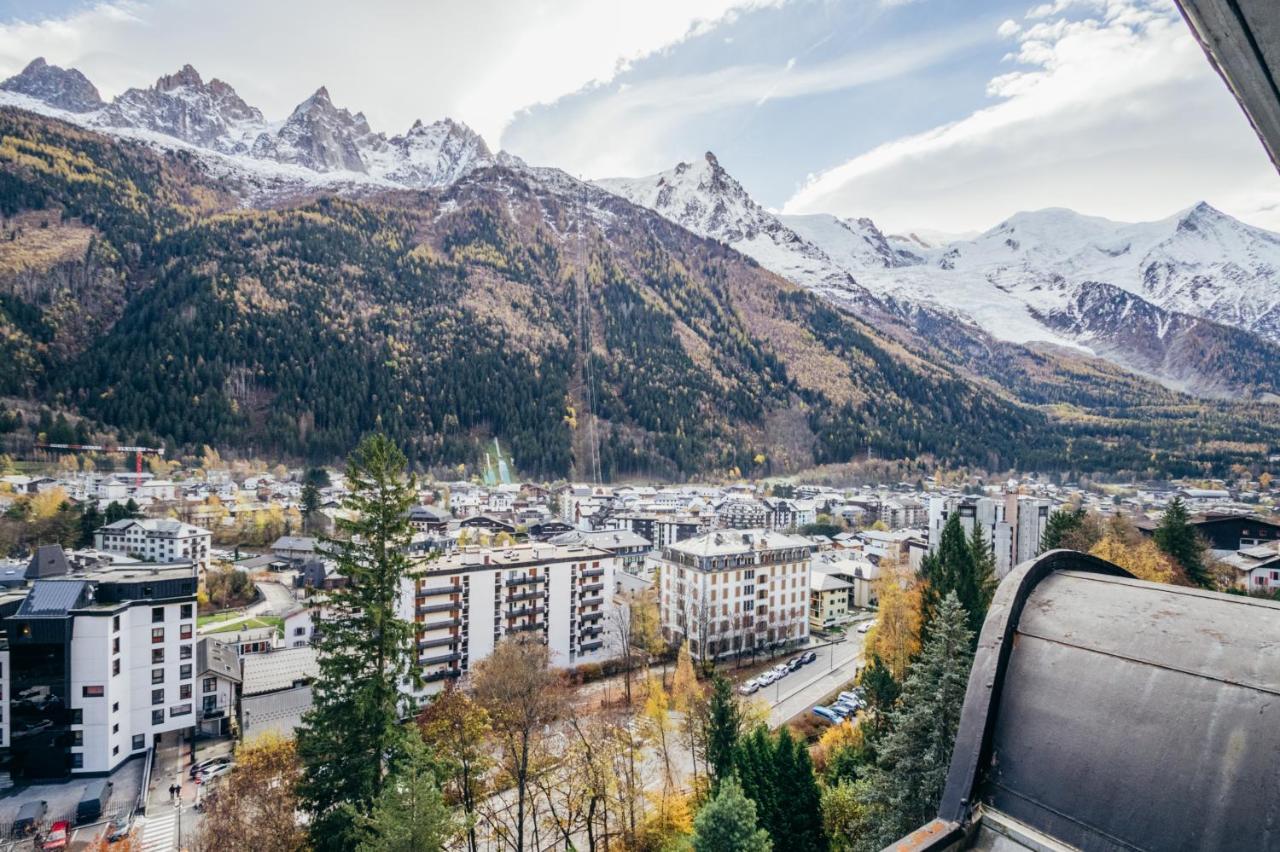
352, 731
1061, 526
727, 823
776, 773
1178, 539
724, 727
965, 566
903, 789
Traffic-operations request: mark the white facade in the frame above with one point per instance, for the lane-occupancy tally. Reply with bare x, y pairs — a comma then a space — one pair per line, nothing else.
157, 540
1013, 524
464, 603
736, 590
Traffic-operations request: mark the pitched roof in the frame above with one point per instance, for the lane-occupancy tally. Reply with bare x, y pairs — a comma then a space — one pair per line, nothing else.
217, 658
279, 669
49, 560
52, 598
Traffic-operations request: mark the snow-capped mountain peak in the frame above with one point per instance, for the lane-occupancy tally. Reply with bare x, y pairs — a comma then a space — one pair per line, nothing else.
63, 88
208, 115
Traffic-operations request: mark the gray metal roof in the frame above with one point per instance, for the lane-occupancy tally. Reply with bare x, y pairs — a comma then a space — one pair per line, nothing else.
52, 598
279, 669
49, 560
1242, 40
217, 658
1109, 713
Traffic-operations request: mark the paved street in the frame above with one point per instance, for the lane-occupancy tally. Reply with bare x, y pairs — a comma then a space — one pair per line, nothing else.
793, 695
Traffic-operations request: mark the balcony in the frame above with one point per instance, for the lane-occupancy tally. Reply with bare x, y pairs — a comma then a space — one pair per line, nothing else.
592, 616
440, 607
591, 587
590, 646
596, 601
438, 625
593, 572
438, 643
443, 658
521, 628
521, 581
444, 674
431, 591
525, 610
591, 632
523, 596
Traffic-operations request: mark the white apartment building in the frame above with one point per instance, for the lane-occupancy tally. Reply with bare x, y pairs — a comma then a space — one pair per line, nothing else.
734, 591
157, 540
101, 666
464, 603
1013, 524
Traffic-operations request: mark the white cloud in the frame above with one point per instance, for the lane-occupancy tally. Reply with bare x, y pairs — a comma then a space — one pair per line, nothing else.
1008, 29
1117, 114
478, 61
649, 111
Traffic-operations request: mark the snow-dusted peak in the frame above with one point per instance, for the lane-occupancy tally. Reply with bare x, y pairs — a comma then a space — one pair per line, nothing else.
431, 155
182, 105
62, 88
322, 137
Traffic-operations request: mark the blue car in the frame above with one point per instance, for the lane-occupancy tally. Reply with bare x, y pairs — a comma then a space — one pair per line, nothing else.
826, 713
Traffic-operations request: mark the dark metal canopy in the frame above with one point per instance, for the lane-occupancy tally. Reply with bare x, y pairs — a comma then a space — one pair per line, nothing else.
1107, 713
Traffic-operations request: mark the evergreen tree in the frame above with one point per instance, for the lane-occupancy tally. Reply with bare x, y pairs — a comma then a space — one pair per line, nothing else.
1178, 539
132, 509
1060, 527
727, 823
776, 773
724, 727
352, 730
310, 503
965, 566
90, 521
905, 786
410, 814
881, 689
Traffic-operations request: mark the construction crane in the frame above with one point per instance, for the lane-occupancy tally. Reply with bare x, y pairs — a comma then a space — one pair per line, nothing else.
99, 448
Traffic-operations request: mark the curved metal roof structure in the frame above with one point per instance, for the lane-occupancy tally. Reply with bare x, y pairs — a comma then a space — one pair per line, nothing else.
1108, 713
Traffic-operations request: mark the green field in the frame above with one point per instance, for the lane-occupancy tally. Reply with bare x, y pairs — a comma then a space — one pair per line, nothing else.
251, 623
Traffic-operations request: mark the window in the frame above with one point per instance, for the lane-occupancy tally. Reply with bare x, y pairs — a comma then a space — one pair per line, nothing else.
115, 667
95, 691
180, 710
157, 615
185, 672
184, 691
184, 652
115, 729
157, 655
299, 631
115, 750
184, 632
157, 635
77, 716
157, 675
157, 717
115, 624
115, 708
115, 645
77, 738
211, 684
139, 742
185, 612
157, 696
77, 761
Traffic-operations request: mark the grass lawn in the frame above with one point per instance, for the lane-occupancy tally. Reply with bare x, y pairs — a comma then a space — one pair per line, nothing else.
215, 617
252, 623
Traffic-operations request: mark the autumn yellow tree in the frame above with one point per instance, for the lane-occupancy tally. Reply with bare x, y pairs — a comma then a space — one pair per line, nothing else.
895, 638
1123, 545
46, 504
255, 806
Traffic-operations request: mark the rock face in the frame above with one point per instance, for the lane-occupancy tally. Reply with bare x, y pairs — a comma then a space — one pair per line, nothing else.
321, 137
434, 154
207, 115
63, 88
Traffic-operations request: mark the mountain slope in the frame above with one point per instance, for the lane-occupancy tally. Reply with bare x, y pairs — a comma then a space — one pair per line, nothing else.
1203, 284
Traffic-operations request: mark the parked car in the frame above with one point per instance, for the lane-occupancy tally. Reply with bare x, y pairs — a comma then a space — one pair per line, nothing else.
767, 678
866, 625
206, 765
782, 670
57, 836
855, 695
794, 663
748, 687
808, 657
30, 815
826, 713
214, 772
845, 708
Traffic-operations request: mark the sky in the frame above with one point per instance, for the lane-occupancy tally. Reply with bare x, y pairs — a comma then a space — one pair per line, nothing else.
941, 115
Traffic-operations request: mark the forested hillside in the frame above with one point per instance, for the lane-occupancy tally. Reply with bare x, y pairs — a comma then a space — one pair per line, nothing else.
579, 329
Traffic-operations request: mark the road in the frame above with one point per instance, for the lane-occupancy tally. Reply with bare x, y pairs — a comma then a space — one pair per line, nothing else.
837, 664
277, 599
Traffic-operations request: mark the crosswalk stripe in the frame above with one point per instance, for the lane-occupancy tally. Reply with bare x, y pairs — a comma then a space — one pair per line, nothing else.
160, 831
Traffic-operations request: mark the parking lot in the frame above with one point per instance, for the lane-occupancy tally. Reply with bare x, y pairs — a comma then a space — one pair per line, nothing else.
62, 798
